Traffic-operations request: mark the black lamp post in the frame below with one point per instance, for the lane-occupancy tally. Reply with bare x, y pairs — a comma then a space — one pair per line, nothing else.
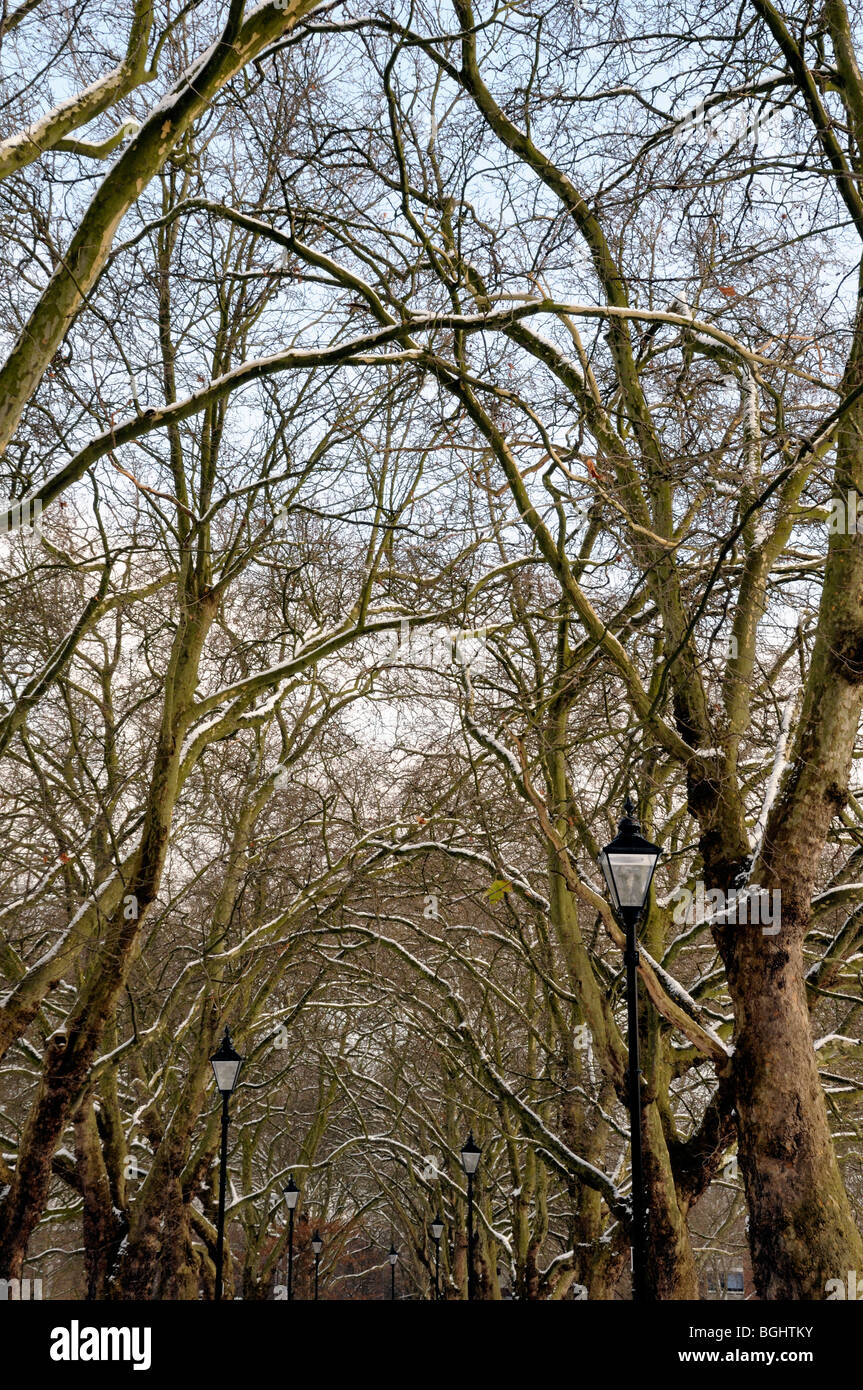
470, 1156
226, 1065
392, 1257
317, 1246
437, 1232
628, 865
292, 1194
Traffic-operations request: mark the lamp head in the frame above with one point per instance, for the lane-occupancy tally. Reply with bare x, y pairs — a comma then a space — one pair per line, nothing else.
292, 1193
628, 863
226, 1065
470, 1155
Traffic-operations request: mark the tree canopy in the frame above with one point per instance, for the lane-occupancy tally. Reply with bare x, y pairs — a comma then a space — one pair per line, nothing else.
421, 428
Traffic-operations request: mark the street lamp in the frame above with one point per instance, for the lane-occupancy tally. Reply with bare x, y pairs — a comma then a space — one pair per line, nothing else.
392, 1257
470, 1156
226, 1065
437, 1232
292, 1196
317, 1246
628, 865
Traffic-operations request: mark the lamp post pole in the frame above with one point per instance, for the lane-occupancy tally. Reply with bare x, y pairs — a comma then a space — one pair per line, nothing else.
628, 864
223, 1170
392, 1257
317, 1247
292, 1194
639, 1203
470, 1236
226, 1063
437, 1232
290, 1254
470, 1156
